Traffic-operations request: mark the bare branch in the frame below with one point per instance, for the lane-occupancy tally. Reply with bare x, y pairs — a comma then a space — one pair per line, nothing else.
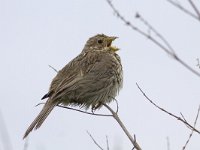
195, 8
195, 122
116, 117
183, 9
85, 112
167, 112
152, 39
95, 142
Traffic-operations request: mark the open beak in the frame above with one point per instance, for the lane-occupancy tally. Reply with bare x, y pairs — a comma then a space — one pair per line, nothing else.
109, 44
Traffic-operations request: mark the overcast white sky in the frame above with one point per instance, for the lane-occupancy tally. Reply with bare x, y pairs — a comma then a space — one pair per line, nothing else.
38, 33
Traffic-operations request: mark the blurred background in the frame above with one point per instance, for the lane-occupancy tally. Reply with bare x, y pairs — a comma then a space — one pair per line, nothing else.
35, 34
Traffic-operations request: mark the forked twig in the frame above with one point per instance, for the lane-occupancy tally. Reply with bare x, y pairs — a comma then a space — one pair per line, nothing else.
96, 143
167, 112
195, 8
165, 47
179, 6
195, 122
116, 117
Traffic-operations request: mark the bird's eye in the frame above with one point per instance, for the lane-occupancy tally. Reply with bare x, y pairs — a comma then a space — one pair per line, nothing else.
100, 41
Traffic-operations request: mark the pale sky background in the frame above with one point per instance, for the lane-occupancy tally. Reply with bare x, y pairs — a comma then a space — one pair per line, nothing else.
38, 33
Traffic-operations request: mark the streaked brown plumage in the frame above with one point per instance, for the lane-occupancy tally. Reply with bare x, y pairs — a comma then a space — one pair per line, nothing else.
92, 78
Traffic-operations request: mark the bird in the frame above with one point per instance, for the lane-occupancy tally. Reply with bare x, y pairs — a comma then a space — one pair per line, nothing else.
91, 79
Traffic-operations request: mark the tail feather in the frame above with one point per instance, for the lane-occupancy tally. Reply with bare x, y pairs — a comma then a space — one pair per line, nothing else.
48, 107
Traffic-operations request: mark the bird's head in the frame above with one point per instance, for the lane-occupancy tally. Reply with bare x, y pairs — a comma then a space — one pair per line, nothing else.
101, 42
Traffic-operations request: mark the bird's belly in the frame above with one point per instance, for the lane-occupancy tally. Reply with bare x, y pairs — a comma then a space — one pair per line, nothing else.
91, 95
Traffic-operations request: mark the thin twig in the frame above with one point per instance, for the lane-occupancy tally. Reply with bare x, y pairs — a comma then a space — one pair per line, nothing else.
168, 143
183, 117
151, 28
78, 110
117, 105
195, 122
198, 64
167, 112
152, 39
116, 117
187, 66
194, 7
183, 9
95, 142
133, 148
117, 109
53, 68
107, 143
